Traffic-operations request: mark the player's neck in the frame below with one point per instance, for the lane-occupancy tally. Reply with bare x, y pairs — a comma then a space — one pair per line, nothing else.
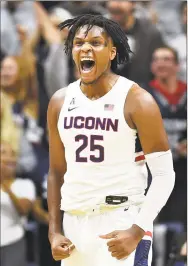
100, 87
169, 84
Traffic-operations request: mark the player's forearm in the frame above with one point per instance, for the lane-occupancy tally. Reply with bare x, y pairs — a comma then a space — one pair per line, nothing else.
54, 200
163, 180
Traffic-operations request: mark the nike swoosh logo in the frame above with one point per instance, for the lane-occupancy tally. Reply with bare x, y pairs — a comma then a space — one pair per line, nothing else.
70, 109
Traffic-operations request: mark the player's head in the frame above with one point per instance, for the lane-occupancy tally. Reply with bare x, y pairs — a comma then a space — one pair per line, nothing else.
165, 62
98, 39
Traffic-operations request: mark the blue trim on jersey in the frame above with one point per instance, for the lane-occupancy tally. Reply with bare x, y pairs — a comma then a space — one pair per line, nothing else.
142, 253
138, 146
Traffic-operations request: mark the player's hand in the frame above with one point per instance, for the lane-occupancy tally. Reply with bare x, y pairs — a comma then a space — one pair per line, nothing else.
123, 242
61, 247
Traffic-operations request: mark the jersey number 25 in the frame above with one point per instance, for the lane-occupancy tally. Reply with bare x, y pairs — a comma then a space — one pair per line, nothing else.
91, 141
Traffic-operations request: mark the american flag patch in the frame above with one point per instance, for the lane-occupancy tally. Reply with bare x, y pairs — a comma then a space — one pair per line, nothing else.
108, 107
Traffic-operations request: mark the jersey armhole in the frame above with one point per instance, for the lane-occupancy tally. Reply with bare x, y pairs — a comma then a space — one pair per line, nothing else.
131, 129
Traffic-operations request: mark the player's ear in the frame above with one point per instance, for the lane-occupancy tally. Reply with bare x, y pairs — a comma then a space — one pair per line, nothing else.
113, 53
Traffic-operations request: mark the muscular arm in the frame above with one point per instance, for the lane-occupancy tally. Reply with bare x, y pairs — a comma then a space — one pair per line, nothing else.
57, 166
143, 114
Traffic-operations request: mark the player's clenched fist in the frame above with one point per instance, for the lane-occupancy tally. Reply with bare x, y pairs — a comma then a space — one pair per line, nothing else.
61, 247
123, 242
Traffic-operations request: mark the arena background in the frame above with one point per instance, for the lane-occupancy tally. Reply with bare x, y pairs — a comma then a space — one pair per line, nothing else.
34, 66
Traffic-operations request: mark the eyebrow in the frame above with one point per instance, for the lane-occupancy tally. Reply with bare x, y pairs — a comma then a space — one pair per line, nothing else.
96, 37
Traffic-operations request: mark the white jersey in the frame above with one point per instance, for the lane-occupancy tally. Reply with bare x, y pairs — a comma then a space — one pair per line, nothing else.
99, 148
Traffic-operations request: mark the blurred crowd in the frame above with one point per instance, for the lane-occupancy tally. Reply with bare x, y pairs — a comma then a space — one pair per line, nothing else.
34, 66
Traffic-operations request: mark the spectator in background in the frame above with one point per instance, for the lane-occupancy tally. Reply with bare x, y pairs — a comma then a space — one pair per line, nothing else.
180, 43
84, 7
143, 37
168, 21
50, 51
18, 76
19, 84
17, 196
13, 87
145, 10
15, 13
15, 84
40, 211
171, 96
8, 125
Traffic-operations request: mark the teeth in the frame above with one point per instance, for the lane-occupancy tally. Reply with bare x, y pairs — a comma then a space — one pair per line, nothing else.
86, 58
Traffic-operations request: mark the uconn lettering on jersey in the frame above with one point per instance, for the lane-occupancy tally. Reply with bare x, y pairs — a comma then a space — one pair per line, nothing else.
97, 123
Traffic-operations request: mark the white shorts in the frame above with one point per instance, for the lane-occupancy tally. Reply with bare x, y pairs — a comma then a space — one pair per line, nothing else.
91, 250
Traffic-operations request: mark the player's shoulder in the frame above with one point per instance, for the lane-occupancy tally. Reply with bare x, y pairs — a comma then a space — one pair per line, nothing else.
58, 98
66, 91
126, 82
140, 93
140, 99
135, 91
56, 102
59, 94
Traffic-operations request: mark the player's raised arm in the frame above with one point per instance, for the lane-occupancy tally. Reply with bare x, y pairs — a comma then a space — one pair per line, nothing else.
59, 243
146, 118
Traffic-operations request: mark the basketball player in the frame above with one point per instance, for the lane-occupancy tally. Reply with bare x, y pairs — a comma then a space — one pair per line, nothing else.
93, 175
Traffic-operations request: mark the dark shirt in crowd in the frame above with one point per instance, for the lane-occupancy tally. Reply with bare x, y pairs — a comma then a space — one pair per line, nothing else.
143, 38
45, 254
173, 109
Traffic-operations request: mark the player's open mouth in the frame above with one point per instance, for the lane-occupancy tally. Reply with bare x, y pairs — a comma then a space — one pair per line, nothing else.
87, 64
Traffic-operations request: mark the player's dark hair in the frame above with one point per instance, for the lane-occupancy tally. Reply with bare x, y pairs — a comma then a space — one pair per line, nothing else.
112, 28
